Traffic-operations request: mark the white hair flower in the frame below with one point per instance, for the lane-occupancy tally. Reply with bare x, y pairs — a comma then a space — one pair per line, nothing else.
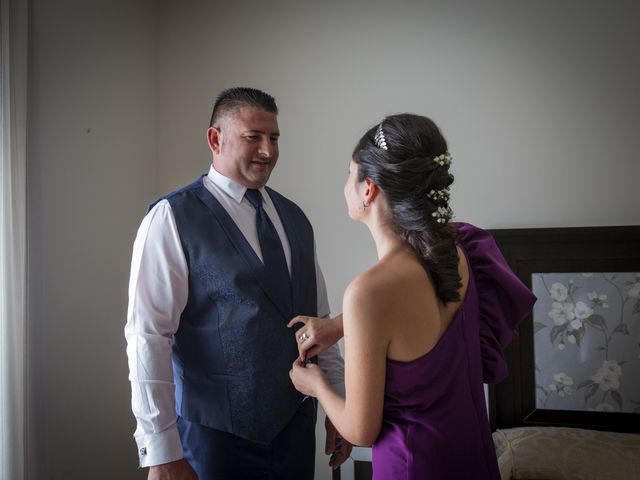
437, 195
442, 214
444, 159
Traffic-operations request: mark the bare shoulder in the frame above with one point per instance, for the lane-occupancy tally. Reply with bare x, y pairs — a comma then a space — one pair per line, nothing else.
365, 311
368, 284
362, 289
376, 290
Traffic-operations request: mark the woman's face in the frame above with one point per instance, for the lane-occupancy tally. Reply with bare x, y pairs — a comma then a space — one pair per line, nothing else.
354, 193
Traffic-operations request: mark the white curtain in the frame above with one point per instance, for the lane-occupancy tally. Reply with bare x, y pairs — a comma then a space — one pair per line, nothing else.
13, 130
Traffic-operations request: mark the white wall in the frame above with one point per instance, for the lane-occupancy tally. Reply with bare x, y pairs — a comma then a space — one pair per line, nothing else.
539, 103
91, 168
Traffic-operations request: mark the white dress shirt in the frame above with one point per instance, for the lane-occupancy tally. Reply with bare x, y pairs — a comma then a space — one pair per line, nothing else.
158, 291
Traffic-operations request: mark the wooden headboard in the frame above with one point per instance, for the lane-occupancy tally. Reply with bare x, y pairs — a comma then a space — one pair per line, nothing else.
512, 403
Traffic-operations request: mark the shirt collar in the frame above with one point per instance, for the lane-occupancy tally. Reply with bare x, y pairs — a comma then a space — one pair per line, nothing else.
228, 186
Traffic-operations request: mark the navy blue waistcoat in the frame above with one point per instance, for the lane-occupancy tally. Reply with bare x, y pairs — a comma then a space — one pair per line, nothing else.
233, 351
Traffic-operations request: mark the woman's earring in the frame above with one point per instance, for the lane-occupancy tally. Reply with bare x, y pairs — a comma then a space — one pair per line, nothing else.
364, 204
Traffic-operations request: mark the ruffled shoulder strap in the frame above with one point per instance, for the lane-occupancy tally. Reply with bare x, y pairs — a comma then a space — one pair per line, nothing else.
503, 300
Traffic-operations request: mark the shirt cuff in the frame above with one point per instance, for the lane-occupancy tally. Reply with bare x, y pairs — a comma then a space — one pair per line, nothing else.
159, 448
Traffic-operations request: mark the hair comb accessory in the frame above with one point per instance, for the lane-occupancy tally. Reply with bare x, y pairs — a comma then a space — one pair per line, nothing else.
381, 142
442, 214
444, 159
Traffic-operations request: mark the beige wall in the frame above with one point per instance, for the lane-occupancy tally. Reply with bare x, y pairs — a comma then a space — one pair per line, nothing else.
91, 169
539, 103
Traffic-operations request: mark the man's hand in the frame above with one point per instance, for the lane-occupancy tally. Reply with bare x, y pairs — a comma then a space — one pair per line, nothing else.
336, 446
178, 470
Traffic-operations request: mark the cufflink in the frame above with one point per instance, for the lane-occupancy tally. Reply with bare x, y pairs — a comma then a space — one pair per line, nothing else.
143, 451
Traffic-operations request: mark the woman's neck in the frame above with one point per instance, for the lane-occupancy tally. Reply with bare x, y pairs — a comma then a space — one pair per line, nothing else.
380, 225
386, 240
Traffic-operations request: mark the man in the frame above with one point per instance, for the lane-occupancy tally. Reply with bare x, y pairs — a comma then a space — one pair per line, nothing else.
219, 268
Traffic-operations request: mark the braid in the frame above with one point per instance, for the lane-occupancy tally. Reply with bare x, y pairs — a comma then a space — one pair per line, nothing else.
439, 258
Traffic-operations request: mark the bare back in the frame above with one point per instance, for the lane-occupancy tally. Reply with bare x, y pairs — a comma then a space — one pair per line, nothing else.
418, 318
390, 311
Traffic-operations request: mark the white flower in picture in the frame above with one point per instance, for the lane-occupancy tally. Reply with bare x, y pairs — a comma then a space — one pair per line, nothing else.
562, 385
603, 407
597, 299
558, 292
612, 366
575, 325
571, 339
583, 310
563, 378
606, 381
562, 313
634, 291
606, 378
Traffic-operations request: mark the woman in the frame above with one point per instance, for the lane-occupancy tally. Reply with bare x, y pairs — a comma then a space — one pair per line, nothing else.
424, 326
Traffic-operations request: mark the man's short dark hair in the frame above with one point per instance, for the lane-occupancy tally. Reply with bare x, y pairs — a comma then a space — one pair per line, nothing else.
233, 98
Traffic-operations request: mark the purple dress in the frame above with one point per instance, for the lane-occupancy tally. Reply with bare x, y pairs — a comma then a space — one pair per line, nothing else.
434, 423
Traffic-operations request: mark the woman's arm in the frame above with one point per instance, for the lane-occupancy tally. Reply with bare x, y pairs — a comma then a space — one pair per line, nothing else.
358, 417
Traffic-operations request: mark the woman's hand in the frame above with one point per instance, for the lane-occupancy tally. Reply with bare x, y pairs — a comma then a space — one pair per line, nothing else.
316, 335
307, 378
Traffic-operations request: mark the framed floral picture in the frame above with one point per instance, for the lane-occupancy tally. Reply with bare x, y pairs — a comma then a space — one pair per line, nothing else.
576, 361
586, 344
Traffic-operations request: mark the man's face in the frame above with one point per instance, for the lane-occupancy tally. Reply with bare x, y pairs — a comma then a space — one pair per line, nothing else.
245, 146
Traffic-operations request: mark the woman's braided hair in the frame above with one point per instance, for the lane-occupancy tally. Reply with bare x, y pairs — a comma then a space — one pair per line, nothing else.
406, 156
